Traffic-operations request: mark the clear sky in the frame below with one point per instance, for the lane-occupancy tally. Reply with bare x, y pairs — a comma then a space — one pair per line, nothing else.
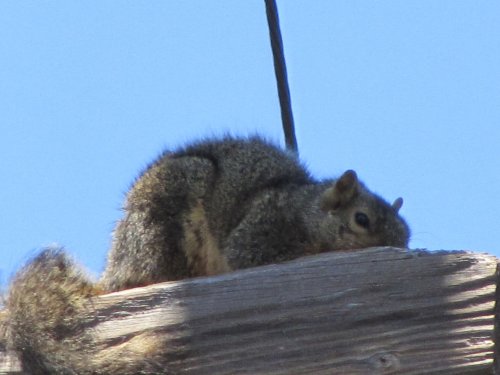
407, 93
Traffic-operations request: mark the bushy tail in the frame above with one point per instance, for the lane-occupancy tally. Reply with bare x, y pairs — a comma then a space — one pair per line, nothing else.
43, 308
49, 322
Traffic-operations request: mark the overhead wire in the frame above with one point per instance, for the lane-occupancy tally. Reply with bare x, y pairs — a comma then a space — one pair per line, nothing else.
281, 76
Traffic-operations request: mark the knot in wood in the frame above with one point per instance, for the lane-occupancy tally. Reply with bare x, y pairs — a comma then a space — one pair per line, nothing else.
384, 361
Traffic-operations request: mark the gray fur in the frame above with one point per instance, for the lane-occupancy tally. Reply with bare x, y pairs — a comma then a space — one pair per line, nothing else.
208, 208
260, 204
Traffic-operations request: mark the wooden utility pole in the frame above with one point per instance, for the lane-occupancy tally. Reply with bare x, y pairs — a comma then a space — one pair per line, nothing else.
372, 311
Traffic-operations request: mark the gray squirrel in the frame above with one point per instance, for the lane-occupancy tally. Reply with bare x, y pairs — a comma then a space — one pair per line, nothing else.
211, 207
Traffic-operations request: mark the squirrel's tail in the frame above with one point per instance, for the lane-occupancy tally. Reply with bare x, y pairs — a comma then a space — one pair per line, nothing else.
50, 318
44, 306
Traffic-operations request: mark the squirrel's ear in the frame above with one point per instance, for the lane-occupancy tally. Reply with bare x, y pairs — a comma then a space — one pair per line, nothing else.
342, 191
397, 204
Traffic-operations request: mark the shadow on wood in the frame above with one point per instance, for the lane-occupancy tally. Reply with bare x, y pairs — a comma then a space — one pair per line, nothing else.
373, 311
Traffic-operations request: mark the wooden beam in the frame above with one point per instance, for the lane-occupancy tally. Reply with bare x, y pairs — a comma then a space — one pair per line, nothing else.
373, 311
9, 363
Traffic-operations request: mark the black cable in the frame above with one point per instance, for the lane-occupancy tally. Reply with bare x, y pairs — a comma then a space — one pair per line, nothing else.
281, 75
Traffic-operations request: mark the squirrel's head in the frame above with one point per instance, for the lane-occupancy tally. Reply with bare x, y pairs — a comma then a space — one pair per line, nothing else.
358, 218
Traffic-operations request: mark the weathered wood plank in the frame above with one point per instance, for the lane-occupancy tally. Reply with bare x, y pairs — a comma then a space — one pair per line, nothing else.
374, 311
366, 312
9, 363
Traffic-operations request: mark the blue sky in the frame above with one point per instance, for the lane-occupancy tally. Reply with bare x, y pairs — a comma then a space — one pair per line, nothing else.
407, 93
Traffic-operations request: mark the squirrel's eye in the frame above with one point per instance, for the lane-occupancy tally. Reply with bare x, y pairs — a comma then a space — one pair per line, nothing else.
362, 220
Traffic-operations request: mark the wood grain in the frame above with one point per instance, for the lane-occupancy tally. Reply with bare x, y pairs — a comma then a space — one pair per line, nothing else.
373, 311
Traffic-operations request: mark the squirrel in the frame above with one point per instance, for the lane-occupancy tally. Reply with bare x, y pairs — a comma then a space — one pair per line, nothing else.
211, 207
